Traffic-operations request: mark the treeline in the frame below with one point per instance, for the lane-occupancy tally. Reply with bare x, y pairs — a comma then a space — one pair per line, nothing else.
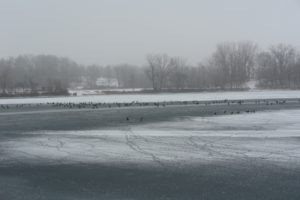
279, 67
33, 74
48, 74
231, 66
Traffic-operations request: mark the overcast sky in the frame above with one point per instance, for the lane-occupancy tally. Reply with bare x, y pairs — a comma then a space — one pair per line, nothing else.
125, 31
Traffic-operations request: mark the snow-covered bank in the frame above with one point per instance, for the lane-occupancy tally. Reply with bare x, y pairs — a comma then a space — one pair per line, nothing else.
263, 94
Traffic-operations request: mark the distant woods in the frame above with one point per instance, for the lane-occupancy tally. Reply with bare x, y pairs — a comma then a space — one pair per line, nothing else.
52, 75
230, 66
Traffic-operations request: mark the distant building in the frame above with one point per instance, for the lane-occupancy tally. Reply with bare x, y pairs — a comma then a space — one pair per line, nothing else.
107, 82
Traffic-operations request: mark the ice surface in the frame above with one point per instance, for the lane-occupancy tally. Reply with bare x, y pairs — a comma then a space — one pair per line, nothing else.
272, 136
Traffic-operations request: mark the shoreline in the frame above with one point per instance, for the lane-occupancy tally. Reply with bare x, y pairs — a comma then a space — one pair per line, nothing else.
51, 117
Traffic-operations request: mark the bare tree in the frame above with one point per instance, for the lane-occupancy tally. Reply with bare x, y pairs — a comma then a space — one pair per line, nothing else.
265, 73
5, 75
178, 75
158, 70
284, 57
296, 72
233, 63
277, 67
246, 54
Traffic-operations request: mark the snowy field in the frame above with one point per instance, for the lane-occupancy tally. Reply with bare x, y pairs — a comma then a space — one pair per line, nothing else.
255, 94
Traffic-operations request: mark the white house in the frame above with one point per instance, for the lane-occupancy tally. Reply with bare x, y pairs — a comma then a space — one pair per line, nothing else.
107, 82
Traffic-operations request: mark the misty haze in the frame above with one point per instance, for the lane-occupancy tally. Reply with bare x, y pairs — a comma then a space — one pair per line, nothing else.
166, 100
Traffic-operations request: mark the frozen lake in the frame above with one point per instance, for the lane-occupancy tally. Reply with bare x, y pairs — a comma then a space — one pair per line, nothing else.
265, 94
183, 152
271, 136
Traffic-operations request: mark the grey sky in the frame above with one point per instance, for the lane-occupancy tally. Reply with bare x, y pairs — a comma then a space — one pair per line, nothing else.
124, 31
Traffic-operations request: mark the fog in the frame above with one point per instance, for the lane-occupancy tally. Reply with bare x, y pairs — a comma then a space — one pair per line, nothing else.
114, 31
